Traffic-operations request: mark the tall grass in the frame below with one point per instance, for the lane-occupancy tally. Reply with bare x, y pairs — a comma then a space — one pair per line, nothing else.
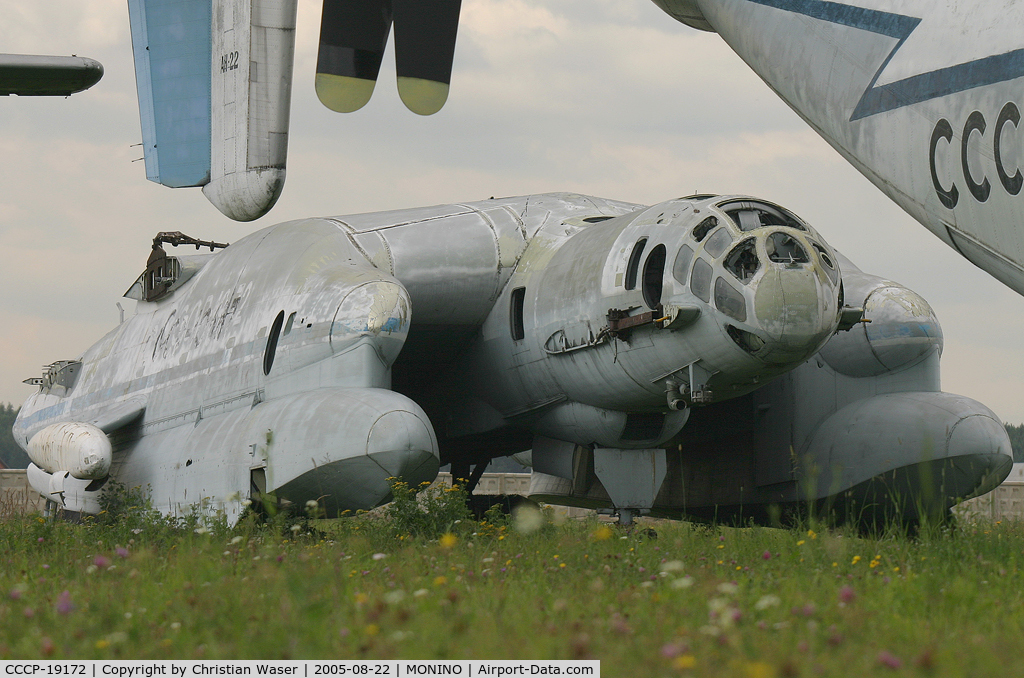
693, 601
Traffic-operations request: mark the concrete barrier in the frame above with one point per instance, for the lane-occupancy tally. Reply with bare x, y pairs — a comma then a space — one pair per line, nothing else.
16, 496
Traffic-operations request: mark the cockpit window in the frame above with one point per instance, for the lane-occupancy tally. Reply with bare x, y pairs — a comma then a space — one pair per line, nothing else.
682, 263
743, 262
750, 215
729, 301
654, 274
700, 280
703, 228
826, 262
718, 242
634, 263
784, 249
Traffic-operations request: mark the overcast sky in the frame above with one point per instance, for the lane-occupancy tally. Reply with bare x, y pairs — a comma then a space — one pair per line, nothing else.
604, 97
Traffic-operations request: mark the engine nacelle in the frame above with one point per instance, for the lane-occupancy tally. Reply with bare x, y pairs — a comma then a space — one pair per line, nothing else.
74, 447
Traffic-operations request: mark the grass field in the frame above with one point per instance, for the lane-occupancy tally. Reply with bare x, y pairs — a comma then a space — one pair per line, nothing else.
695, 600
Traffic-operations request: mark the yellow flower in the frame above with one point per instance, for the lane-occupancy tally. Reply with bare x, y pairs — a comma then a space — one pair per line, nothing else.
856, 559
684, 661
440, 581
801, 542
102, 643
372, 630
448, 540
602, 533
812, 534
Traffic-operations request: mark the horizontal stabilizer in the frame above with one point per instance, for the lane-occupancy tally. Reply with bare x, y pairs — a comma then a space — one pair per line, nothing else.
353, 35
27, 75
425, 35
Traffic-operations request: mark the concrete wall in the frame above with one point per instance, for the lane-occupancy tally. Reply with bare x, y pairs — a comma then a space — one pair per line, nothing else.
16, 496
1006, 502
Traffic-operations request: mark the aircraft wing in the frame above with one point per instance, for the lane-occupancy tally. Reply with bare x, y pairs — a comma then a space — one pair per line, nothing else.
29, 75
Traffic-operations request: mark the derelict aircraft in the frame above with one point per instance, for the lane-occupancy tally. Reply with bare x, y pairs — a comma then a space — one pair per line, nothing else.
680, 359
922, 98
589, 331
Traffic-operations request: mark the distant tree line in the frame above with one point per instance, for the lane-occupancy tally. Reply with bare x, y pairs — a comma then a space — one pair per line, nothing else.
1016, 434
12, 456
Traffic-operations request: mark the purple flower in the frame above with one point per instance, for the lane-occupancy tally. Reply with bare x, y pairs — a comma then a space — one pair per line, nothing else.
15, 594
847, 594
767, 555
101, 562
121, 551
888, 659
64, 604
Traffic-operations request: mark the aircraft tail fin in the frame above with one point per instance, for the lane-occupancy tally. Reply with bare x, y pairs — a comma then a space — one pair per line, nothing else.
171, 43
214, 82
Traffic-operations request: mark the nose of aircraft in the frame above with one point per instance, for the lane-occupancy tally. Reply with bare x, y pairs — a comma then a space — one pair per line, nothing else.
794, 304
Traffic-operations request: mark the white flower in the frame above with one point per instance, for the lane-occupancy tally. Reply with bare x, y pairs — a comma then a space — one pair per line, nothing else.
203, 530
672, 566
393, 597
419, 593
236, 540
380, 556
683, 582
728, 589
767, 601
295, 528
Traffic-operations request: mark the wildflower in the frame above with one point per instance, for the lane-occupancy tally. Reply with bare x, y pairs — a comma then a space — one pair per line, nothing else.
767, 555
889, 660
801, 542
856, 559
175, 626
419, 593
202, 530
236, 540
767, 601
64, 604
728, 588
311, 504
684, 661
295, 528
812, 534
682, 583
394, 597
672, 566
121, 552
101, 562
448, 540
440, 581
379, 556
847, 594
602, 533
